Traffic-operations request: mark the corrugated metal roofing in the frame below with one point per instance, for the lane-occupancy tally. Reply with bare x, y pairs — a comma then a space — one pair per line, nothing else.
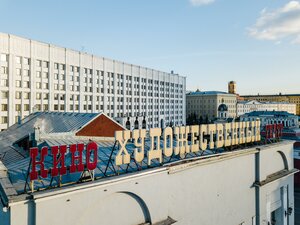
18, 170
208, 93
47, 122
269, 113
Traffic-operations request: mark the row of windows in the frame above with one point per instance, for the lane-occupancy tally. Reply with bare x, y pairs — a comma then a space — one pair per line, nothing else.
45, 64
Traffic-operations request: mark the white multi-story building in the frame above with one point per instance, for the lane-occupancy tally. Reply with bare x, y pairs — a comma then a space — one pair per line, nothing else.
36, 76
253, 105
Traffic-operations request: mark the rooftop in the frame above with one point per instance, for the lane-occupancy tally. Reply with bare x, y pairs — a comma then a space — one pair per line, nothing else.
268, 95
209, 93
269, 113
47, 124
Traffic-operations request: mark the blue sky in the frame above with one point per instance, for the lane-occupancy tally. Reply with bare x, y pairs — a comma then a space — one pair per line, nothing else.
254, 42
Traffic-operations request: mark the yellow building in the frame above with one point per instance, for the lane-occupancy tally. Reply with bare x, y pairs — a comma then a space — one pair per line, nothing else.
291, 98
206, 104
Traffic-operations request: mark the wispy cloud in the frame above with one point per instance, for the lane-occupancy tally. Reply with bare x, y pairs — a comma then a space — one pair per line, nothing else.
201, 2
279, 24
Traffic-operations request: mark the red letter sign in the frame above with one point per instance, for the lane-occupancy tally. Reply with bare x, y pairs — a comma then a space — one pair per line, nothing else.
76, 167
92, 146
58, 159
33, 155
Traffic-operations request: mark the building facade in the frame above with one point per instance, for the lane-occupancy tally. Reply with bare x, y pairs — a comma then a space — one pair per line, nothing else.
288, 120
253, 105
291, 98
36, 76
206, 104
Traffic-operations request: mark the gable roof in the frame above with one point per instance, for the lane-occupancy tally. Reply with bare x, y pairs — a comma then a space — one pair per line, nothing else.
46, 123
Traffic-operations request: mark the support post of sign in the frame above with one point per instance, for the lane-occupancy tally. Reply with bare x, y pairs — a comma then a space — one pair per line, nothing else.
27, 175
32, 186
109, 160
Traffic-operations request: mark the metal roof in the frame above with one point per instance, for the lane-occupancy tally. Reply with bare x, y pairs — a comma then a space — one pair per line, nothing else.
47, 123
18, 171
209, 93
269, 113
275, 95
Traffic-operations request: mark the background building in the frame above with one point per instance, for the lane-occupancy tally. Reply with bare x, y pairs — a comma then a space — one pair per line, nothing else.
206, 104
291, 130
36, 76
291, 98
289, 121
253, 105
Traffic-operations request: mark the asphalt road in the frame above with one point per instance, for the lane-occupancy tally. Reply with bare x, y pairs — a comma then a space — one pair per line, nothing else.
297, 206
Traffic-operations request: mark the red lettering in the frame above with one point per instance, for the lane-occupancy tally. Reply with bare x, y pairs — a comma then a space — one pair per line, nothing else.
279, 130
33, 155
268, 131
76, 167
92, 146
58, 158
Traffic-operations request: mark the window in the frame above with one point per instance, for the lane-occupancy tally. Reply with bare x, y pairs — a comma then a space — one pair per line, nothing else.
46, 96
18, 83
18, 59
4, 107
4, 119
56, 76
4, 57
62, 107
56, 66
45, 64
26, 95
26, 84
26, 107
39, 63
38, 95
38, 85
55, 107
26, 72
4, 70
18, 107
26, 61
45, 75
38, 74
46, 107
19, 72
38, 107
4, 94
18, 95
45, 85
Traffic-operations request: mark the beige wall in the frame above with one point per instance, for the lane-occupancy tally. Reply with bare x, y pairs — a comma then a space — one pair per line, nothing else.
214, 190
207, 105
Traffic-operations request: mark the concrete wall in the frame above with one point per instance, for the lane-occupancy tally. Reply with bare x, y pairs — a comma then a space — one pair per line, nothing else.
216, 190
